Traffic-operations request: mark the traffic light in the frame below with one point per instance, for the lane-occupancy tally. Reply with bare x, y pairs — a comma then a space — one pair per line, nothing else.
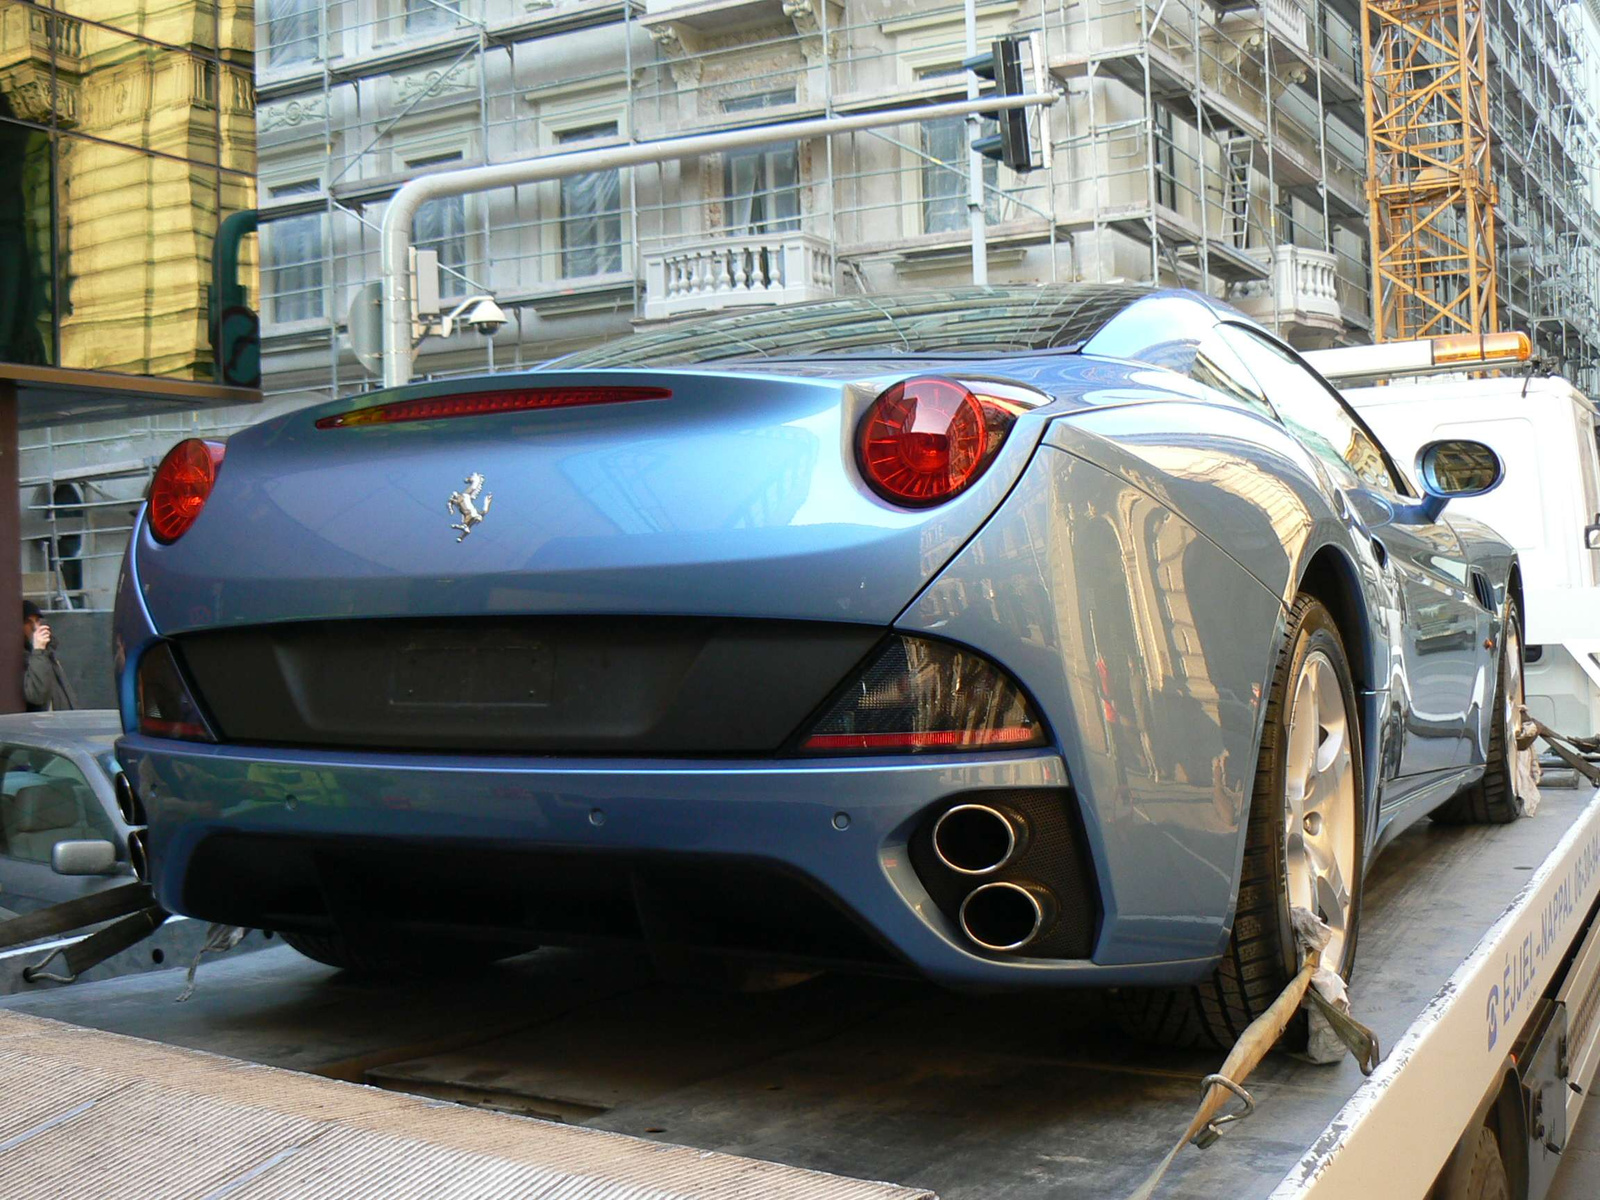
235, 327
238, 348
1001, 65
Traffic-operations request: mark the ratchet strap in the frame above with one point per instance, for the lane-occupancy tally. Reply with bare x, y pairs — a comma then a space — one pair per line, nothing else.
100, 945
1258, 1038
76, 914
1570, 750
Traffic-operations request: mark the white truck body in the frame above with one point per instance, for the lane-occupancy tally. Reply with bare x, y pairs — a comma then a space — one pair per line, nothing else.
1545, 433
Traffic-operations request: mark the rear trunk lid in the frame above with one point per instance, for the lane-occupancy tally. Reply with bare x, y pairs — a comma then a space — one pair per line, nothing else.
738, 496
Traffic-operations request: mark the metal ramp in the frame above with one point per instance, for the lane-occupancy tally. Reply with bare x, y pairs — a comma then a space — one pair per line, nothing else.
86, 1113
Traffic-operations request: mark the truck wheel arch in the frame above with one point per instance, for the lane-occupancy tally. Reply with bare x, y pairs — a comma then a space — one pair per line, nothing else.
1501, 1111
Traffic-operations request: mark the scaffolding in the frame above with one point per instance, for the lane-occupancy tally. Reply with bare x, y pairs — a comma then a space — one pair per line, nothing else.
1547, 149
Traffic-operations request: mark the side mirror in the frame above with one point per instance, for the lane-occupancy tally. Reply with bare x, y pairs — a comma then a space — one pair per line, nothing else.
1449, 470
1591, 534
95, 857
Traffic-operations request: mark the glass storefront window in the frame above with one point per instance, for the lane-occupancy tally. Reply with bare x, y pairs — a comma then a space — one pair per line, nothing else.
27, 307
126, 132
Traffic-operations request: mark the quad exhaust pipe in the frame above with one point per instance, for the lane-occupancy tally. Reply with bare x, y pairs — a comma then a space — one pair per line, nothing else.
128, 803
1004, 916
139, 856
978, 839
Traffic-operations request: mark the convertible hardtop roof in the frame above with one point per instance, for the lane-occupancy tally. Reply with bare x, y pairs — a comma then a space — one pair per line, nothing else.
955, 322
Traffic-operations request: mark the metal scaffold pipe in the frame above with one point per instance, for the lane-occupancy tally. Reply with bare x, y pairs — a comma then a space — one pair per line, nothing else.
402, 210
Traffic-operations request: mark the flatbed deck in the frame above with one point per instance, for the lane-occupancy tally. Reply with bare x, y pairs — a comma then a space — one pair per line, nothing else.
1023, 1097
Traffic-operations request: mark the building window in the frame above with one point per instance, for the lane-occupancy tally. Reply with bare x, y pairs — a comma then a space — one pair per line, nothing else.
441, 226
591, 214
1166, 156
293, 256
424, 16
944, 182
762, 185
294, 31
944, 179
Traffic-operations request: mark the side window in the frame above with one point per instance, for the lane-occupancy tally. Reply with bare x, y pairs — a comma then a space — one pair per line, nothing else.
44, 799
1218, 367
1311, 411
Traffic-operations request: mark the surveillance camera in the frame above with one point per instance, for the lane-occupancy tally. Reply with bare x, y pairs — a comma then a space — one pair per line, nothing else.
487, 317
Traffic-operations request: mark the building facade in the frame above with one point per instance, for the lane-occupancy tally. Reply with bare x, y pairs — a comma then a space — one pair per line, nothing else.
1205, 144
1210, 147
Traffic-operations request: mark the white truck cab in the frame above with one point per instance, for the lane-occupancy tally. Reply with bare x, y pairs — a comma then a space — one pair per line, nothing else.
1545, 432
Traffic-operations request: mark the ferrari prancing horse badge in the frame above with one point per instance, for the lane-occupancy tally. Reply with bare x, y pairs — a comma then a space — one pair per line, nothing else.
465, 503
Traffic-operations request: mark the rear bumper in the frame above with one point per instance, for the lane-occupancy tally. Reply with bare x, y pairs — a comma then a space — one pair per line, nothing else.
842, 828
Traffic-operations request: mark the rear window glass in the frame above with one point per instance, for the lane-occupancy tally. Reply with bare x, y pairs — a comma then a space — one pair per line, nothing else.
960, 321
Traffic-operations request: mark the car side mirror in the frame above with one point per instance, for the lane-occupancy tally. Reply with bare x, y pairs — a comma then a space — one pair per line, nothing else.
1455, 468
1591, 534
96, 857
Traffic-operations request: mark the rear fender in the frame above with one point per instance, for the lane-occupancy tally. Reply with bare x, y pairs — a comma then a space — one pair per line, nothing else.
1147, 650
1243, 482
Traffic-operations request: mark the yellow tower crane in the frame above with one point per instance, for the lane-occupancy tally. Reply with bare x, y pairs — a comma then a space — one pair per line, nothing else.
1430, 194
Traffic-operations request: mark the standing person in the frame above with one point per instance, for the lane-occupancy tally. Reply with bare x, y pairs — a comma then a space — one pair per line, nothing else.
44, 684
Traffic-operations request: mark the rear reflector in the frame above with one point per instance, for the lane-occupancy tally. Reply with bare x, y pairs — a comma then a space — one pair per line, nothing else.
920, 694
479, 404
929, 739
165, 705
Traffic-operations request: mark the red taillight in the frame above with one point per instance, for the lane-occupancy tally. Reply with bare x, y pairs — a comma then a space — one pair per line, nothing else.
479, 404
182, 485
925, 440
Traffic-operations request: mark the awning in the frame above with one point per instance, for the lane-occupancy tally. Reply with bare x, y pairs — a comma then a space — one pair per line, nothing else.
55, 395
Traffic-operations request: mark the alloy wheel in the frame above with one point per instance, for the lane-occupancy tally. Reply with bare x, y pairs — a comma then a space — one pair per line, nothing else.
1512, 687
1319, 809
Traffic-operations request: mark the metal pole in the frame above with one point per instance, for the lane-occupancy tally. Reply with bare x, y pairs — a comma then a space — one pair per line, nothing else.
402, 209
980, 233
11, 653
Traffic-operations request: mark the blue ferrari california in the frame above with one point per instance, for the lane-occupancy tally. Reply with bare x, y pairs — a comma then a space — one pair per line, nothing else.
1014, 637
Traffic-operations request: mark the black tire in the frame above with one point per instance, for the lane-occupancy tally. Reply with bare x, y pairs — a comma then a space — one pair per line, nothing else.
1493, 799
413, 958
1476, 1171
1261, 954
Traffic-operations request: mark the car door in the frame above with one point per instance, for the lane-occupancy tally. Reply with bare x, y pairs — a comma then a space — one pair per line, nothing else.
44, 799
1441, 637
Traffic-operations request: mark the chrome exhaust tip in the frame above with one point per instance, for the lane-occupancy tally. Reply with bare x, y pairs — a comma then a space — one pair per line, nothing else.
138, 856
976, 839
1006, 916
128, 801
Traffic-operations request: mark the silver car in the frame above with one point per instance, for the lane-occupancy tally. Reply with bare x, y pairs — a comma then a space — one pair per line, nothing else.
60, 834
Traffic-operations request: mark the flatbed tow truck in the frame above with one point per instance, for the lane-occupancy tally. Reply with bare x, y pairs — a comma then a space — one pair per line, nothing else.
1479, 969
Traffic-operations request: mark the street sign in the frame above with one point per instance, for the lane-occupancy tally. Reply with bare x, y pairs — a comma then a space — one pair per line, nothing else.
364, 323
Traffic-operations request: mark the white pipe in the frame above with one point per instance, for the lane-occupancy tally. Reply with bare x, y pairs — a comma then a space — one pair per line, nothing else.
402, 210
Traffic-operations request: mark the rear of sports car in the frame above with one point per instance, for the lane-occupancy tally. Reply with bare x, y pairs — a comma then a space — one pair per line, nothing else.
638, 655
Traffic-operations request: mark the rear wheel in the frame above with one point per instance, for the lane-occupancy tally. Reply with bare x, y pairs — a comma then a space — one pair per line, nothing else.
1303, 847
1477, 1170
1493, 799
427, 956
